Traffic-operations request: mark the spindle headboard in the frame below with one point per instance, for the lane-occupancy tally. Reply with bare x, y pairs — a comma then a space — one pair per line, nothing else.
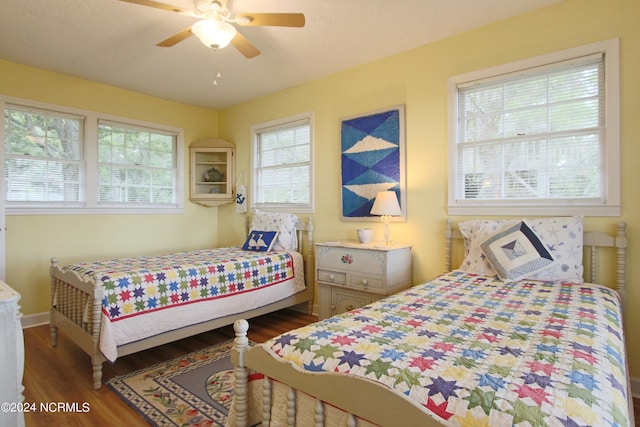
593, 242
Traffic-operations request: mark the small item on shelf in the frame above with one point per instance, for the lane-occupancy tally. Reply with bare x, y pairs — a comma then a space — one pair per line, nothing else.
364, 235
213, 175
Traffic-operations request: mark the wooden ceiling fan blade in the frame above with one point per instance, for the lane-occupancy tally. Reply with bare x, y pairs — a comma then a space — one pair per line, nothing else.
244, 46
176, 38
271, 19
158, 5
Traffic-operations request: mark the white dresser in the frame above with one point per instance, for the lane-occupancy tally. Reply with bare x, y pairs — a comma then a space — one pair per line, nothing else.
11, 358
350, 275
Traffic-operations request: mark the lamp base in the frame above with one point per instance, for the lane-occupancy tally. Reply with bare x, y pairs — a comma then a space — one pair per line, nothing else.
385, 220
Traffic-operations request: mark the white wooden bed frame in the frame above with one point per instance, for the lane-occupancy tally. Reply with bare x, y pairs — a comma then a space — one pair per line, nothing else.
362, 398
70, 295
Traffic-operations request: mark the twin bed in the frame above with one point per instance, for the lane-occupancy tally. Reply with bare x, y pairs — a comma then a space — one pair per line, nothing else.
112, 308
512, 337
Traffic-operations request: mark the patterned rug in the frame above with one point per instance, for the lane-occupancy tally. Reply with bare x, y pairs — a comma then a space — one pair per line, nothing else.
192, 390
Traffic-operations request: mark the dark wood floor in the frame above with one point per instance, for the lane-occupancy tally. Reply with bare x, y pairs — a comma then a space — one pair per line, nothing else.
63, 374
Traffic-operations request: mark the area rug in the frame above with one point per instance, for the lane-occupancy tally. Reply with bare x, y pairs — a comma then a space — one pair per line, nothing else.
193, 390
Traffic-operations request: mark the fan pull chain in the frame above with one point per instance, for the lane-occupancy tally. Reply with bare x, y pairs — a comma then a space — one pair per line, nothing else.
218, 76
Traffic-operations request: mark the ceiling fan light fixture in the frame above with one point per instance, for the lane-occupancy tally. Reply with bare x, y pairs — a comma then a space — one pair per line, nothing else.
214, 33
243, 19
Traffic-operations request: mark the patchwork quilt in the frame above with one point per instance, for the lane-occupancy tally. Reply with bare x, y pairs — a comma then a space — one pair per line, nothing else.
478, 351
133, 286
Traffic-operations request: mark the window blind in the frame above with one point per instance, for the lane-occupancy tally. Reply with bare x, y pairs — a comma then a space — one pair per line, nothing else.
43, 155
533, 134
283, 164
137, 165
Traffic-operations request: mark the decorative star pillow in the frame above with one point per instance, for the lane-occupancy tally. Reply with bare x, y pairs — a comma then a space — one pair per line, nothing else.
260, 241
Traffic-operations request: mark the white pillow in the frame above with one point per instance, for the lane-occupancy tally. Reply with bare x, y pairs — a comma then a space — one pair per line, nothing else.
561, 235
475, 232
284, 224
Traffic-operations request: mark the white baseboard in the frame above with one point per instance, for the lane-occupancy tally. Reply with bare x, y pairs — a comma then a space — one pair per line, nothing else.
37, 319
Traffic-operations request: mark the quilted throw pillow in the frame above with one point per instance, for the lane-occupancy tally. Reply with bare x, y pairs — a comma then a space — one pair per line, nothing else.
260, 241
516, 252
284, 224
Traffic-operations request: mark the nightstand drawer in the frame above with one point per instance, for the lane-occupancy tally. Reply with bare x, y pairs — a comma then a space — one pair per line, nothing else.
343, 300
365, 282
336, 277
352, 259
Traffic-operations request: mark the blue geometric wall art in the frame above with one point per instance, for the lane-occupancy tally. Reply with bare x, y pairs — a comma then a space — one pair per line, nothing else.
372, 160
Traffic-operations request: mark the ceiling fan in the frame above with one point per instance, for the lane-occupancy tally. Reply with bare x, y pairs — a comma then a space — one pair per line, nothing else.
214, 28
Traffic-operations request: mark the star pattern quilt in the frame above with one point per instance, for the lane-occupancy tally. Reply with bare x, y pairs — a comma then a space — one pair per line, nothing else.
133, 286
478, 351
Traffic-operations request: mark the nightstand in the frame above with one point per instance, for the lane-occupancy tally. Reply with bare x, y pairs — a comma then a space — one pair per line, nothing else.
350, 275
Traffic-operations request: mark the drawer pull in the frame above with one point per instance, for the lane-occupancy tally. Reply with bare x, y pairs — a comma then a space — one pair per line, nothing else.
364, 282
350, 307
332, 277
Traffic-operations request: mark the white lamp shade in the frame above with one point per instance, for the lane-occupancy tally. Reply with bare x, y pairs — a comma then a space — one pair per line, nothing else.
214, 33
386, 204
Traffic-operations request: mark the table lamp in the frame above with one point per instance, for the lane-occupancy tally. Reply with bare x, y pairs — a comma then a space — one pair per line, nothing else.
386, 205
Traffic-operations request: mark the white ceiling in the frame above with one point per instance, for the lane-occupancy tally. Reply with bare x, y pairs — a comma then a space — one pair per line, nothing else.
114, 42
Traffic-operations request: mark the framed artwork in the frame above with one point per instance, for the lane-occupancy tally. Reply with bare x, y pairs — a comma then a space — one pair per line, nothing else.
372, 159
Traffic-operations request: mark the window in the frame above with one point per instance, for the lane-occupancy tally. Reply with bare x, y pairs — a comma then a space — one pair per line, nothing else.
43, 156
282, 166
136, 165
539, 136
59, 160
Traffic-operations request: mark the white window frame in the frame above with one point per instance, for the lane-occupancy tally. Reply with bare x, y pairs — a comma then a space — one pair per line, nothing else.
287, 207
89, 171
610, 205
17, 189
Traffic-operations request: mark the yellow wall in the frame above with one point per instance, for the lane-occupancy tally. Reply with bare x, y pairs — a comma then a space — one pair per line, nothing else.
418, 79
32, 240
